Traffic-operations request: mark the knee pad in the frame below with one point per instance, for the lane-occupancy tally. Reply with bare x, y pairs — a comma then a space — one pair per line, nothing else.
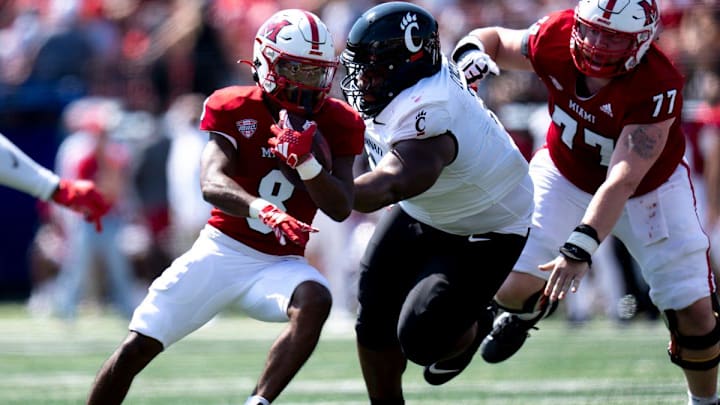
679, 342
424, 347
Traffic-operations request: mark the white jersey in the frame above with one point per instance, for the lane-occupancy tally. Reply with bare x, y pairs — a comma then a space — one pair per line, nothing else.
487, 187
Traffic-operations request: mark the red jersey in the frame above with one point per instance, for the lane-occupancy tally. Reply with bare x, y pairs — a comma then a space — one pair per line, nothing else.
240, 113
584, 130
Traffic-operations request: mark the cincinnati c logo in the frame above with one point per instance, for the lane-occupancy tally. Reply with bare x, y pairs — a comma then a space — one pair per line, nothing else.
420, 123
408, 23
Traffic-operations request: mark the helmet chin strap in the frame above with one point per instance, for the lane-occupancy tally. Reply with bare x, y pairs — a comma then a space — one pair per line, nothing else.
300, 98
306, 101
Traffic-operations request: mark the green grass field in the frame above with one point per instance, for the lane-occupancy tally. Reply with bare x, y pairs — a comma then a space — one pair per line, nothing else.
43, 361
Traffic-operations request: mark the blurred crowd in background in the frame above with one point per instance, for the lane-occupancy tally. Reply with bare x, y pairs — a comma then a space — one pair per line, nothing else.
113, 90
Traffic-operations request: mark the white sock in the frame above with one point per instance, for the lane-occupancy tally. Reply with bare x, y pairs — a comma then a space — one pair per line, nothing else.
257, 400
695, 400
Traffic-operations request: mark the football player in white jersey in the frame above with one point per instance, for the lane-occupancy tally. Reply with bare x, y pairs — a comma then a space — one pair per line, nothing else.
460, 198
19, 171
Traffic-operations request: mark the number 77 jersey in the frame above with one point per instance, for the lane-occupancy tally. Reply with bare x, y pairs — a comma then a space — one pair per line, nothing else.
584, 130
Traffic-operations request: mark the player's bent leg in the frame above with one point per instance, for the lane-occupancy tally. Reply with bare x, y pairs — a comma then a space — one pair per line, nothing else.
446, 369
522, 299
308, 310
695, 345
116, 375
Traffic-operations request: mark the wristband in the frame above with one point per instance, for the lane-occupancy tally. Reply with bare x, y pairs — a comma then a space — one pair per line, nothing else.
585, 237
581, 244
309, 169
256, 206
467, 43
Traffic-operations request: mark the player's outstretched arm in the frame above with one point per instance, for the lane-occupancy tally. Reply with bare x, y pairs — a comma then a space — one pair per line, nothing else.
19, 171
489, 49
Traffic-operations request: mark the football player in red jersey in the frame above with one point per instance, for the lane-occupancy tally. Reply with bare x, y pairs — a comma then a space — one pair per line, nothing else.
250, 254
19, 171
612, 163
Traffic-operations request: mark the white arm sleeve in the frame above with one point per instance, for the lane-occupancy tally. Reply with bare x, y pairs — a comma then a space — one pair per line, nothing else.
19, 171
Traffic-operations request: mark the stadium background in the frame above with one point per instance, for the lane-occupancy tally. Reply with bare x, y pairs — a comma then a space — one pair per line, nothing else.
147, 53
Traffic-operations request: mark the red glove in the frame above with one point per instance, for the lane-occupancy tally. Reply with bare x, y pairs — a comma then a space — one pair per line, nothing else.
289, 145
83, 197
285, 226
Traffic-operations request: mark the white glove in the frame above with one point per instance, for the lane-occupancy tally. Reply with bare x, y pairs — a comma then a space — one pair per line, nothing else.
470, 57
476, 65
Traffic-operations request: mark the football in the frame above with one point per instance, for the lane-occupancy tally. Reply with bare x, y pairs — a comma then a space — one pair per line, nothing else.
320, 149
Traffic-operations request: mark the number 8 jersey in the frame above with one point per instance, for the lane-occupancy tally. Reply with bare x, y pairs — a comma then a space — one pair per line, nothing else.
583, 132
239, 114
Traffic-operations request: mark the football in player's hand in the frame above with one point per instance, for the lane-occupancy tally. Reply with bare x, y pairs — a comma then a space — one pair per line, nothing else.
320, 149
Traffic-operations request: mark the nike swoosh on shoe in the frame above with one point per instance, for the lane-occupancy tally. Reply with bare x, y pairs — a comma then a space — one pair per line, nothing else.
434, 370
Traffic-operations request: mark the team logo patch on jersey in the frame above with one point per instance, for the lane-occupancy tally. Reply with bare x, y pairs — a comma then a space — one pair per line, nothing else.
420, 122
247, 127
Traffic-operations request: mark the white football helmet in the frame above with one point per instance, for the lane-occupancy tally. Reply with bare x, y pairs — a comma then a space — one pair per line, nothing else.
294, 60
610, 37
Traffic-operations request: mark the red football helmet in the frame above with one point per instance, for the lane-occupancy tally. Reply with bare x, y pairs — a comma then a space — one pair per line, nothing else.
294, 60
610, 37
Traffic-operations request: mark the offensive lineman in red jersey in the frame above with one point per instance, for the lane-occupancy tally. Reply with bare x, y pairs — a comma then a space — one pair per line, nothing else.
612, 164
250, 254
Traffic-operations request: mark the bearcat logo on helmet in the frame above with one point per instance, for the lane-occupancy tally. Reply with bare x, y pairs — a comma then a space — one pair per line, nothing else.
407, 24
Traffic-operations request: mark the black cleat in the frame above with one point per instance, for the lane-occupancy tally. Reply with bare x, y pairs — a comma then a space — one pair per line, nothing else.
506, 338
442, 371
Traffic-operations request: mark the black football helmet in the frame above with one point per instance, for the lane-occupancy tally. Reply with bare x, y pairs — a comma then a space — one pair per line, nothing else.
389, 48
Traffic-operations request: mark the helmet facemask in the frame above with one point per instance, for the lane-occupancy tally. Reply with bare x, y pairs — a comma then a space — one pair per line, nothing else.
367, 86
610, 42
299, 85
